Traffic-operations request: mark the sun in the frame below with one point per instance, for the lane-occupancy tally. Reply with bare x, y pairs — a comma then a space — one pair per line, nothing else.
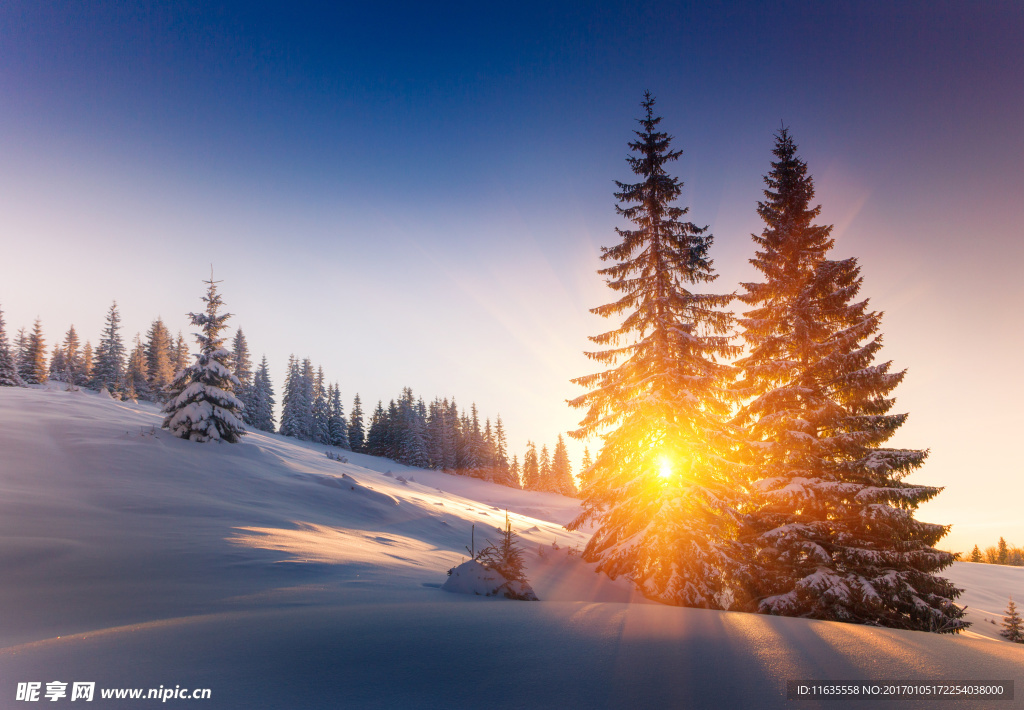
664, 468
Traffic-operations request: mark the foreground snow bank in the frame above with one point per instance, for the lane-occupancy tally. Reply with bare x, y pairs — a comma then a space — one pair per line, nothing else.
473, 578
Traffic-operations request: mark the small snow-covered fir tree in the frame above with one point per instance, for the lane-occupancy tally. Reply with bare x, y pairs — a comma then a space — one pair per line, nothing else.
830, 531
33, 364
179, 355
663, 490
375, 437
74, 366
356, 435
160, 369
241, 366
263, 399
58, 365
136, 381
9, 376
108, 361
502, 469
561, 480
87, 362
320, 431
337, 426
544, 476
585, 465
297, 404
531, 467
1013, 625
410, 446
975, 555
201, 402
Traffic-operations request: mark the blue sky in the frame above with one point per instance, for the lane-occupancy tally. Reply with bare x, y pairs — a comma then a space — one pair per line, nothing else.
416, 195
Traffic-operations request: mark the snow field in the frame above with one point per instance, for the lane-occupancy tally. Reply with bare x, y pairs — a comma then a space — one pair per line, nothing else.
279, 577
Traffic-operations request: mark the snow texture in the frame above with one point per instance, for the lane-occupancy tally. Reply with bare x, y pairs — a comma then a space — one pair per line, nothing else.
133, 558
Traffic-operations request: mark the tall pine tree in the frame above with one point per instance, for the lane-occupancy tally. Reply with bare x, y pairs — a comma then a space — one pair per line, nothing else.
662, 490
830, 531
202, 405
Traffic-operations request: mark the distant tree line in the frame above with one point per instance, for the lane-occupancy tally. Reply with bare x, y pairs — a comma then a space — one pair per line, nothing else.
437, 435
1001, 554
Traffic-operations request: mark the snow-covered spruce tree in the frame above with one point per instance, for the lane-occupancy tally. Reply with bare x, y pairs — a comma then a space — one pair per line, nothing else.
87, 363
159, 359
9, 376
73, 363
502, 470
321, 410
338, 427
290, 402
830, 530
263, 399
561, 480
544, 477
662, 490
58, 365
241, 366
1013, 625
201, 403
585, 465
136, 381
975, 555
356, 435
108, 363
33, 364
410, 445
531, 467
179, 355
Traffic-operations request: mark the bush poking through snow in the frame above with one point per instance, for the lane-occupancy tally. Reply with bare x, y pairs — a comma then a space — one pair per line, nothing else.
474, 578
497, 570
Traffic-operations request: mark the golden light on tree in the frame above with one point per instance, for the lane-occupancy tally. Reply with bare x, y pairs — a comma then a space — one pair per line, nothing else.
660, 490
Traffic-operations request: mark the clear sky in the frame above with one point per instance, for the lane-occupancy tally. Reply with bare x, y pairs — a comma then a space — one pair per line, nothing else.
415, 194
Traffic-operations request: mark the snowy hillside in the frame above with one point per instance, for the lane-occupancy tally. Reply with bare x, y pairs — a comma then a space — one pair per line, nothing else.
278, 578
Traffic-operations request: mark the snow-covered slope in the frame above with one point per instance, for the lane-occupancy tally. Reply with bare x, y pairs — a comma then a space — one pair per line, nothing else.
280, 578
987, 589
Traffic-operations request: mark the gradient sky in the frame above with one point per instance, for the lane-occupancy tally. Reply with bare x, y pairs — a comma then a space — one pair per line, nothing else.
415, 194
